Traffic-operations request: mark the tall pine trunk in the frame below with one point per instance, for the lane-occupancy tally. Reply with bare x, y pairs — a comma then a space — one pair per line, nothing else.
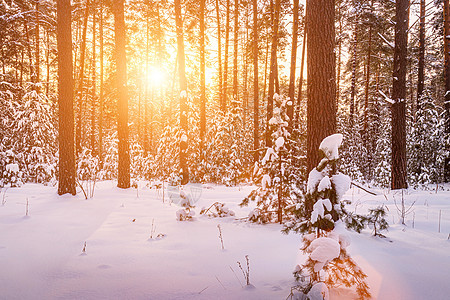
447, 84
235, 58
321, 66
100, 117
255, 83
183, 94
219, 54
80, 102
398, 110
225, 68
202, 76
273, 68
123, 180
420, 70
290, 110
354, 70
67, 173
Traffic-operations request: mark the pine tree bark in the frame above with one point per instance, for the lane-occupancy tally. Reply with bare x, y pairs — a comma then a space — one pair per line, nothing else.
219, 54
300, 83
235, 58
80, 102
321, 66
255, 83
366, 96
420, 69
339, 58
37, 40
290, 110
101, 104
67, 173
183, 95
225, 67
202, 76
123, 180
398, 109
273, 68
94, 80
354, 69
447, 84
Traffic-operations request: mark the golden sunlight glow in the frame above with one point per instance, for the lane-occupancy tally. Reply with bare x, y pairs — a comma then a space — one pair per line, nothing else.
156, 77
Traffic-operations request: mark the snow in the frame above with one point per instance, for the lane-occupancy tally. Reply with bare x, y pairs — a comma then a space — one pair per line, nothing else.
386, 97
279, 142
319, 209
330, 145
319, 291
324, 184
265, 181
41, 255
270, 155
341, 183
323, 250
13, 168
314, 179
184, 138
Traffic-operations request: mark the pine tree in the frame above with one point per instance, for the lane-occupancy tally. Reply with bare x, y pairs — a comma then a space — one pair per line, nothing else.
66, 183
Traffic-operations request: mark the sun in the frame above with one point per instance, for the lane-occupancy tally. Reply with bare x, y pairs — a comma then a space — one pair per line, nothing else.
155, 77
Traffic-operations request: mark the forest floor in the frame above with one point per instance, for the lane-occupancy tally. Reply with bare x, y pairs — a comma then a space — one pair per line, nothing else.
42, 257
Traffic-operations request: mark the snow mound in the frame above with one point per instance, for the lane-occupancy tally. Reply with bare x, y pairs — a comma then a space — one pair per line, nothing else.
319, 291
324, 249
279, 142
314, 179
319, 209
341, 184
330, 145
324, 184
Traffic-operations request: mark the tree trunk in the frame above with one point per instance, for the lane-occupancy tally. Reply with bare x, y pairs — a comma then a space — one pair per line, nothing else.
255, 83
80, 103
100, 117
219, 55
321, 66
36, 36
354, 69
366, 98
123, 180
447, 83
235, 60
183, 94
273, 68
339, 63
420, 70
94, 75
47, 62
225, 68
67, 173
300, 83
290, 111
202, 77
398, 172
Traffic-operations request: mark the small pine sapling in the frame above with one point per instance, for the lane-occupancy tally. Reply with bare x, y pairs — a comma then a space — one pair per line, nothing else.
328, 263
276, 174
376, 219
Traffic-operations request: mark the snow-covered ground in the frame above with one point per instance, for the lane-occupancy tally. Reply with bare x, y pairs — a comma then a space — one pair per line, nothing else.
41, 255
